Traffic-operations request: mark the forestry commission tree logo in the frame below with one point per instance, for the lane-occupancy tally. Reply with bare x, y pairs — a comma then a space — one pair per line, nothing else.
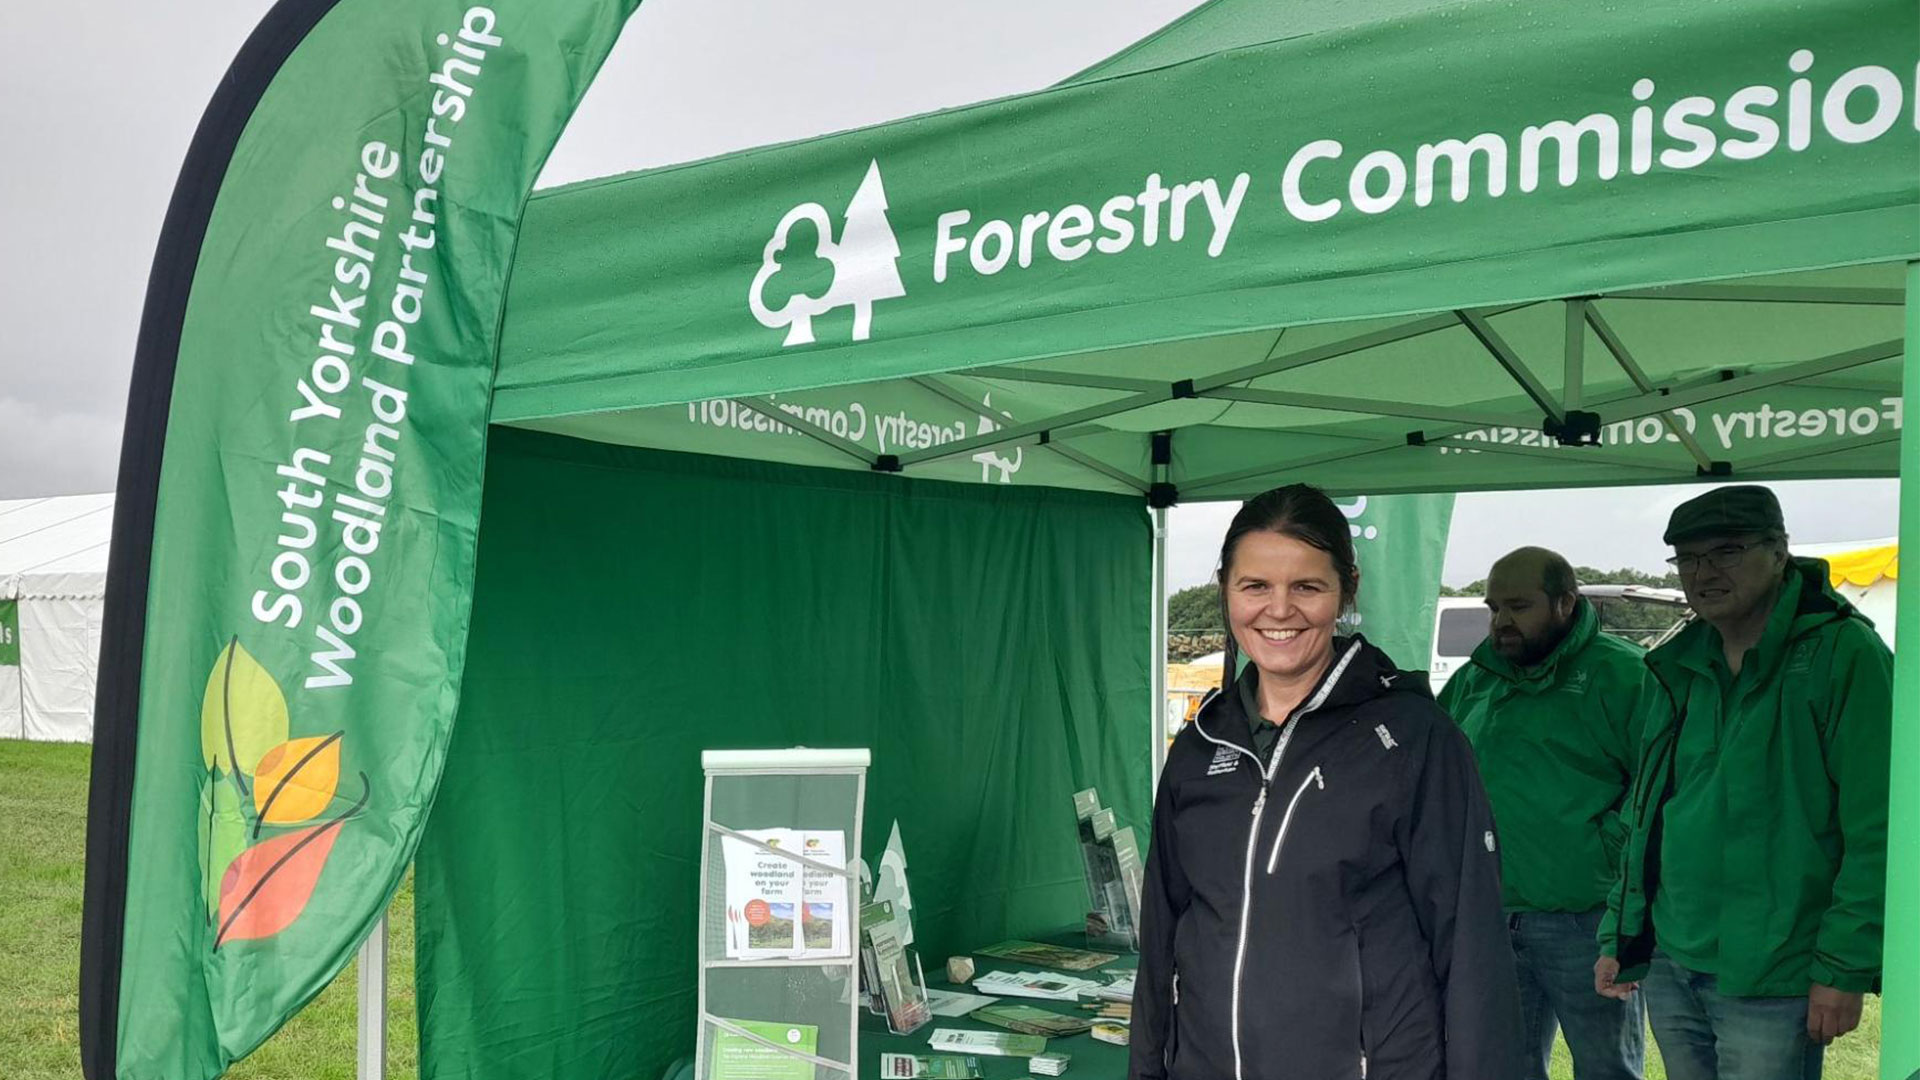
861, 260
991, 460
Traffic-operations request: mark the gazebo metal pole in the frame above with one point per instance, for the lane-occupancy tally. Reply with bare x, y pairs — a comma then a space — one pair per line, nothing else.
1900, 1019
1157, 677
1574, 382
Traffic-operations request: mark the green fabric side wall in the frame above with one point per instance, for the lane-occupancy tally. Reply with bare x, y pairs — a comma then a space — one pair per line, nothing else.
990, 644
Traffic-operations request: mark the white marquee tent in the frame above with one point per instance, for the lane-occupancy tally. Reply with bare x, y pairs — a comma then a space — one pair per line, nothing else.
1867, 573
53, 575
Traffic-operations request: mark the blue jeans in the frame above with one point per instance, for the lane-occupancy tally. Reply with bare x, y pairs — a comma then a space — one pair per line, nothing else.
1553, 954
1706, 1035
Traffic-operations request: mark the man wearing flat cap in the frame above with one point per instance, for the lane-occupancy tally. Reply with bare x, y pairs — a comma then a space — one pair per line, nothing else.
1752, 892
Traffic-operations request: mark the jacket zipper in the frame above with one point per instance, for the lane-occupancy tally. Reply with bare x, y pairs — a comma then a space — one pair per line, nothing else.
1173, 1028
1246, 884
1360, 981
1314, 777
1253, 835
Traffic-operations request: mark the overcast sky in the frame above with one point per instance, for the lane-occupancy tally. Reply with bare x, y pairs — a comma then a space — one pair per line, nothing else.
99, 101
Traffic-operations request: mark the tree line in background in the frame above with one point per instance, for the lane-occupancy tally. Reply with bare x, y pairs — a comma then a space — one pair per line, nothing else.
1198, 607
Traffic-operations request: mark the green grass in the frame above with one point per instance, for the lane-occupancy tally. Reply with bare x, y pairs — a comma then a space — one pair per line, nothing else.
43, 799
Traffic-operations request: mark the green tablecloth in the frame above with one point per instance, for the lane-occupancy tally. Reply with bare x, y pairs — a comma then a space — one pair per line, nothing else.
1092, 1060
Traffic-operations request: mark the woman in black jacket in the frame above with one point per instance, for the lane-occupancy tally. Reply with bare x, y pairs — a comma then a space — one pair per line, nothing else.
1322, 896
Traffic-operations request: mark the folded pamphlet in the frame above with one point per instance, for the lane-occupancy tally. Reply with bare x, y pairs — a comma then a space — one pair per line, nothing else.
934, 1067
1036, 984
994, 1043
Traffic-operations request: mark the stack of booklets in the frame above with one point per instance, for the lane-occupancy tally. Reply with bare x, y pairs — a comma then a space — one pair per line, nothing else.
995, 1043
1059, 957
1048, 1064
1036, 984
1031, 1021
1119, 989
1113, 869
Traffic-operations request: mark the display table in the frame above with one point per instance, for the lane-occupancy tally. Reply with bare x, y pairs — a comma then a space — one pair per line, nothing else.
1091, 1058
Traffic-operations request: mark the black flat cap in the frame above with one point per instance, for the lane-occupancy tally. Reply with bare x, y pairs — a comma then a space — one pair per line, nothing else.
1727, 511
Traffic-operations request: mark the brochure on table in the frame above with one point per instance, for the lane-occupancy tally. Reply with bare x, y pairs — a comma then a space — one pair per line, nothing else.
931, 1067
995, 1043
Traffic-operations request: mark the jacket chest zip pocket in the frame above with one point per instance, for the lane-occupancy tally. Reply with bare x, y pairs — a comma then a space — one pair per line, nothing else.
1313, 780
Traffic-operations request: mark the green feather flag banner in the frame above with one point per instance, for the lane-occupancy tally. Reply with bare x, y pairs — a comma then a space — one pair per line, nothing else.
312, 561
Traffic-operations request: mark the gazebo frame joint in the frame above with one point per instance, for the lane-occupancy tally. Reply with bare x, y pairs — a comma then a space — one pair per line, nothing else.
1578, 428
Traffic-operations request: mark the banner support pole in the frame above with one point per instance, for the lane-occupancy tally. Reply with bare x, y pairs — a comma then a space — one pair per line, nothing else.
372, 1040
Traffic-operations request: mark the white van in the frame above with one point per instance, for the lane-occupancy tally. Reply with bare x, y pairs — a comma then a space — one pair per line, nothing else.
1460, 624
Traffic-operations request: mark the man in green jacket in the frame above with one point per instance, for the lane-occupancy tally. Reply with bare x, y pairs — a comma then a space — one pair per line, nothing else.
1752, 895
1552, 707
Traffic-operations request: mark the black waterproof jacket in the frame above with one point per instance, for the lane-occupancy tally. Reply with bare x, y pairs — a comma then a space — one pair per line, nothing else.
1336, 917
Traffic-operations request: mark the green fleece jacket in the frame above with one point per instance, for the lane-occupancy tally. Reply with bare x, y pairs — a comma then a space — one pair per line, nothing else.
1790, 889
1557, 744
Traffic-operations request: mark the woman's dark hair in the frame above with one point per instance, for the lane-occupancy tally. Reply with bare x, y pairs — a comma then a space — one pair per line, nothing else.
1304, 513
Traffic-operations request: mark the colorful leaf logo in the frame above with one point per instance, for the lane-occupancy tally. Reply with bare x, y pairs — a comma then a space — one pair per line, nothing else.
296, 780
223, 835
268, 886
256, 892
242, 716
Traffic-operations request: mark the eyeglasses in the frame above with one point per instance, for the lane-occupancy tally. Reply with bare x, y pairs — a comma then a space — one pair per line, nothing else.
1724, 557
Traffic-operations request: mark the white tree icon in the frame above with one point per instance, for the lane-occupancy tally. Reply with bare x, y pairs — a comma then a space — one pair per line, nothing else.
990, 459
865, 258
799, 311
864, 262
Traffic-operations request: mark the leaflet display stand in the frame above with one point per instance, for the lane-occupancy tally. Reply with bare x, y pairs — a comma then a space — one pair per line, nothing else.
779, 915
1111, 859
